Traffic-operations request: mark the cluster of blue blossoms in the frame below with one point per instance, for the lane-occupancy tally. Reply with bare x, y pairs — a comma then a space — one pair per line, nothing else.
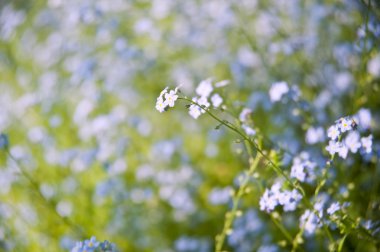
92, 245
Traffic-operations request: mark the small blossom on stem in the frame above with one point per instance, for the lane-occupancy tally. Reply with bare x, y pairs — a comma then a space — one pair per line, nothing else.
333, 132
334, 207
216, 100
166, 99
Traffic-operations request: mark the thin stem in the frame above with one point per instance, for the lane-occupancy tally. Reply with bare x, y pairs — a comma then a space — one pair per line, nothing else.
230, 216
50, 204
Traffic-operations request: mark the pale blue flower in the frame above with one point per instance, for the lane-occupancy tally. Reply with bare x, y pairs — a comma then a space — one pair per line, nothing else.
334, 207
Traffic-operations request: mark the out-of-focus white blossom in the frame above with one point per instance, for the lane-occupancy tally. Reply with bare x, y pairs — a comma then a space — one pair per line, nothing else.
352, 141
315, 135
309, 221
334, 207
277, 90
367, 143
243, 117
373, 66
216, 100
204, 88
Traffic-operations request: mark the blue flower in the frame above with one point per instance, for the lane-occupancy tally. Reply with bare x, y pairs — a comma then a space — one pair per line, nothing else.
92, 243
4, 141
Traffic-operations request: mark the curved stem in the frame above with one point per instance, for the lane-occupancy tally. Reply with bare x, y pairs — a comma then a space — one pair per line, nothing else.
277, 169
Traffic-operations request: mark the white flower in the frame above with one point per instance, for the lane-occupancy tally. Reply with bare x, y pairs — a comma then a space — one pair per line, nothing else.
277, 90
298, 172
333, 147
367, 143
160, 105
352, 141
303, 169
290, 200
275, 189
248, 130
314, 135
204, 88
216, 100
333, 132
194, 111
268, 202
169, 100
171, 97
203, 102
344, 124
333, 208
244, 114
343, 151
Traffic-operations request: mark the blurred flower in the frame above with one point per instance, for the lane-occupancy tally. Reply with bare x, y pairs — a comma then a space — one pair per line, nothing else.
315, 135
268, 201
219, 196
4, 141
303, 169
310, 222
333, 147
366, 143
363, 118
204, 88
277, 90
333, 208
245, 113
290, 199
92, 245
248, 130
216, 100
373, 66
273, 197
352, 141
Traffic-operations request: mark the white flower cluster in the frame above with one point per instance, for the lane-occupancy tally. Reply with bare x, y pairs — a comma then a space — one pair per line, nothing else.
204, 91
303, 169
166, 99
244, 118
352, 141
275, 196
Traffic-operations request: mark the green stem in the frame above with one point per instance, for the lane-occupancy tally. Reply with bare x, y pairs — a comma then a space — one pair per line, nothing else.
230, 216
277, 169
50, 204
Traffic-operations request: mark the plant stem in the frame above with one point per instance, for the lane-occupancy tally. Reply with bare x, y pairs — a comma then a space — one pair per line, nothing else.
230, 216
50, 204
